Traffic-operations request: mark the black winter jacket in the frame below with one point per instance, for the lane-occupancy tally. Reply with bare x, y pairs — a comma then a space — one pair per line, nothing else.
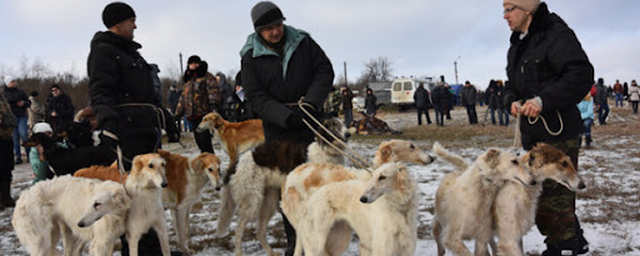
13, 95
468, 96
550, 63
62, 105
271, 81
119, 75
421, 98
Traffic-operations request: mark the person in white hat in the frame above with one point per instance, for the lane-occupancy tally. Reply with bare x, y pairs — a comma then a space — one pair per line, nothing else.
19, 102
38, 163
549, 74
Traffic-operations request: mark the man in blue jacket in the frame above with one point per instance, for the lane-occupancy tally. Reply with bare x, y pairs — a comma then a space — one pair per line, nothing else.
280, 65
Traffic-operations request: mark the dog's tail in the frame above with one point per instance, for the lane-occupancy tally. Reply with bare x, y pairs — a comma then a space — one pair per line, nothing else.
31, 221
456, 160
226, 211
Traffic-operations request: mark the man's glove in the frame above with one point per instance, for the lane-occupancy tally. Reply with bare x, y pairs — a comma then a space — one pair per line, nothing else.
108, 138
294, 121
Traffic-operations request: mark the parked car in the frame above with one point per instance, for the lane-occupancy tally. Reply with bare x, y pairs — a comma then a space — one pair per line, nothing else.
402, 89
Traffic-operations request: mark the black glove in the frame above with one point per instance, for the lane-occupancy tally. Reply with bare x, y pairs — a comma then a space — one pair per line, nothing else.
108, 139
294, 121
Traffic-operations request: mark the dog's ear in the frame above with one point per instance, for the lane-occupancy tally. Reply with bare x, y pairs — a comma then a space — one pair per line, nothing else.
196, 164
121, 199
137, 164
492, 158
386, 152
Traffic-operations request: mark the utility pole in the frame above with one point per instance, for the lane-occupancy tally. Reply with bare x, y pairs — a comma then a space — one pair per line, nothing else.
346, 83
455, 67
181, 70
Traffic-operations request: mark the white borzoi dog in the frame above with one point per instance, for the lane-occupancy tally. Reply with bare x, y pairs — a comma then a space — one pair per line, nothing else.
255, 190
308, 178
464, 199
67, 204
382, 211
514, 209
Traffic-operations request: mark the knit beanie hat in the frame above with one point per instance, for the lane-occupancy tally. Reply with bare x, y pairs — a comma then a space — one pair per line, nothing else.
527, 5
8, 80
55, 86
116, 12
42, 127
265, 14
194, 59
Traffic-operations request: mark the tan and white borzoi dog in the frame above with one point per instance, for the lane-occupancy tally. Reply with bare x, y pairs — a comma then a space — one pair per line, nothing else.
255, 190
514, 209
58, 205
464, 199
382, 211
186, 180
308, 178
235, 137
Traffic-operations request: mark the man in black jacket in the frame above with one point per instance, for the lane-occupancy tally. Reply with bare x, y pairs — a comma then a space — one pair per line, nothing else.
468, 100
423, 103
549, 74
59, 109
281, 64
123, 96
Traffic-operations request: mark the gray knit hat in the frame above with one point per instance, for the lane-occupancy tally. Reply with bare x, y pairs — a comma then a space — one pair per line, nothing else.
265, 14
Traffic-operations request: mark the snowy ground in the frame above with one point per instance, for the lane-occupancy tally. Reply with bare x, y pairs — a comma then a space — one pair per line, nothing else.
609, 208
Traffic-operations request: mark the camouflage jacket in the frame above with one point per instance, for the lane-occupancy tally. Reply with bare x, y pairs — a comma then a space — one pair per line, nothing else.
200, 96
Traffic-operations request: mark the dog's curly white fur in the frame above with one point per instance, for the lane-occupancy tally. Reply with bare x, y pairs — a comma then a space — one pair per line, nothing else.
68, 205
464, 199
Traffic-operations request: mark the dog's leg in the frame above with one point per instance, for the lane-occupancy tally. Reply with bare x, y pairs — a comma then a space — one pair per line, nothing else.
267, 210
437, 235
227, 209
508, 247
133, 239
163, 236
455, 245
242, 223
339, 238
182, 219
69, 242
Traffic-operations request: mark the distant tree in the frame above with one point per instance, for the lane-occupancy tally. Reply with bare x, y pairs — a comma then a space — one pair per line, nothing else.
376, 70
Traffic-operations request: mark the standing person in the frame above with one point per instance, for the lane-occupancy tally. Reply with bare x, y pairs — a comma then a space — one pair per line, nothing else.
123, 96
347, 105
447, 101
200, 96
492, 100
586, 113
173, 98
281, 64
8, 122
226, 94
436, 97
423, 103
468, 100
617, 93
370, 102
19, 103
59, 109
36, 111
634, 96
549, 74
602, 101
503, 109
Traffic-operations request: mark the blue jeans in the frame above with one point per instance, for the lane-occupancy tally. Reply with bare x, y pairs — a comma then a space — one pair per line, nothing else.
603, 112
20, 133
586, 127
503, 116
619, 99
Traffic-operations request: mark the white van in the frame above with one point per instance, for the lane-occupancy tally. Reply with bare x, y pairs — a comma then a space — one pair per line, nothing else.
402, 89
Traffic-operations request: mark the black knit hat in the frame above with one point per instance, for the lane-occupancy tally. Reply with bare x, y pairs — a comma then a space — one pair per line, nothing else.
116, 12
55, 86
194, 59
265, 14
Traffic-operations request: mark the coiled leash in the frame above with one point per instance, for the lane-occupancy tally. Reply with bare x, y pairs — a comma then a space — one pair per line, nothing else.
360, 162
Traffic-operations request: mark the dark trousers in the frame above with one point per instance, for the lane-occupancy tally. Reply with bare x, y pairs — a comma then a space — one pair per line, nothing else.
439, 117
426, 113
203, 139
603, 112
634, 105
471, 113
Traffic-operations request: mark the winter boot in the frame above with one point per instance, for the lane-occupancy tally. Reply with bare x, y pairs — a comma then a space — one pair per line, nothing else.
5, 198
577, 245
588, 140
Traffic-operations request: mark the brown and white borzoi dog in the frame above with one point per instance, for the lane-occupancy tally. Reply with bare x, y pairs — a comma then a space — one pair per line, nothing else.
67, 204
186, 181
308, 178
235, 137
514, 209
255, 190
382, 211
464, 199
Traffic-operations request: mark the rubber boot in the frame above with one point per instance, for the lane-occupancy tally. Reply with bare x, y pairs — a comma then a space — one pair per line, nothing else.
577, 245
5, 198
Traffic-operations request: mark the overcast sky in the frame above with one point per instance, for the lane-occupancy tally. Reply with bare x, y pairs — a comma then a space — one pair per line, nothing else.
419, 37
